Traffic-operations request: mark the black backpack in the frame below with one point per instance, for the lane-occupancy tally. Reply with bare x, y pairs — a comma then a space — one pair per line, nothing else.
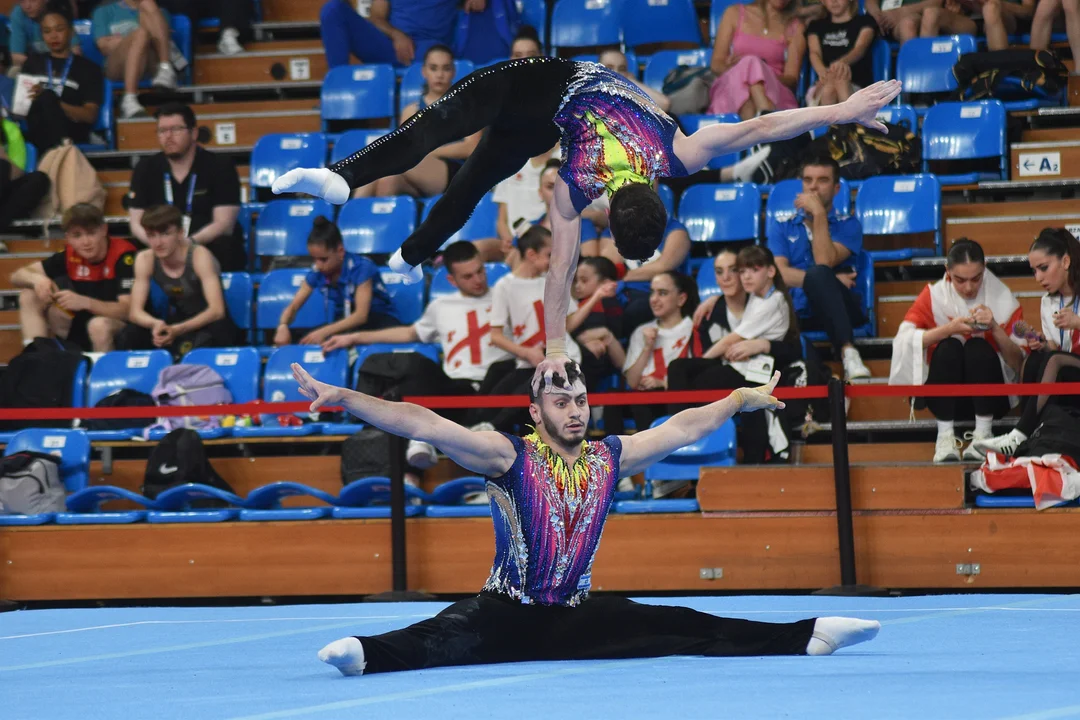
125, 397
1056, 434
863, 153
365, 454
382, 373
41, 376
1034, 74
178, 459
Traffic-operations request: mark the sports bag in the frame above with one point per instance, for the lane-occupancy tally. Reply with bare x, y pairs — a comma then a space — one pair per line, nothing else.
30, 484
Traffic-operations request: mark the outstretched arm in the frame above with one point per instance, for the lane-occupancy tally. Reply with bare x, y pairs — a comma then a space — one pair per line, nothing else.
485, 453
642, 449
862, 107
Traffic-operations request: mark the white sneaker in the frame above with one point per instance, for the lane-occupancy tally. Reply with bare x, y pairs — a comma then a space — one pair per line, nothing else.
947, 448
421, 455
483, 427
854, 369
165, 77
971, 452
409, 274
1002, 444
229, 42
131, 107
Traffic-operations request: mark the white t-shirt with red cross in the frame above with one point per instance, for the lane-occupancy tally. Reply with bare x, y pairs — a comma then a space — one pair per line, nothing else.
671, 344
462, 325
521, 194
519, 307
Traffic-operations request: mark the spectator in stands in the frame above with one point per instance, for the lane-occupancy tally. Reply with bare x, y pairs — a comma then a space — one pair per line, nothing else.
959, 331
81, 293
815, 251
519, 202
461, 324
590, 244
751, 332
134, 37
67, 98
616, 61
20, 191
999, 19
601, 331
757, 58
840, 52
352, 289
202, 184
1043, 21
188, 273
657, 343
1055, 259
234, 18
899, 19
526, 44
25, 35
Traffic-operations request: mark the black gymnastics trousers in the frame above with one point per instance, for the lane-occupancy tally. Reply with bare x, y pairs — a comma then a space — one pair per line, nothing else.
494, 628
513, 102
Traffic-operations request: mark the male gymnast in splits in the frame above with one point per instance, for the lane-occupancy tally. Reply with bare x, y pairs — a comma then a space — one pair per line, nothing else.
614, 139
550, 493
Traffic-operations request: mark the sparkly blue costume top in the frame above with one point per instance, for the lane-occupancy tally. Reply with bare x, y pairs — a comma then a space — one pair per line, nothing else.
548, 520
612, 134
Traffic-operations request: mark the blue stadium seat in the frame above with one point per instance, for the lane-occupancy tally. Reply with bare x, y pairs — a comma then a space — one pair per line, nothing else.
179, 498
279, 385
651, 507
667, 196
534, 12
716, 12
585, 23
276, 291
277, 153
264, 503
706, 280
692, 123
780, 205
78, 385
864, 290
721, 213
924, 65
359, 92
631, 60
664, 61
89, 499
717, 449
900, 205
373, 226
283, 226
114, 371
84, 30
966, 131
239, 367
352, 140
479, 226
440, 282
71, 446
239, 298
412, 82
406, 300
375, 491
648, 22
903, 115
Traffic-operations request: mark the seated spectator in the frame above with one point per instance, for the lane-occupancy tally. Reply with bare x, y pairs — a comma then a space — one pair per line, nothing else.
840, 53
67, 98
187, 272
134, 37
601, 331
351, 285
959, 331
521, 200
1047, 15
899, 19
1055, 259
234, 17
202, 184
461, 324
20, 192
757, 58
616, 61
996, 19
526, 44
24, 28
81, 293
659, 342
548, 175
815, 251
751, 332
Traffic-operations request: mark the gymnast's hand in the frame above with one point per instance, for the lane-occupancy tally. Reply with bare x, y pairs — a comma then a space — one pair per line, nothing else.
319, 392
320, 182
862, 107
759, 398
546, 370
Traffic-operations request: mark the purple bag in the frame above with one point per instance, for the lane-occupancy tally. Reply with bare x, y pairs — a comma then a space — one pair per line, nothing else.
184, 384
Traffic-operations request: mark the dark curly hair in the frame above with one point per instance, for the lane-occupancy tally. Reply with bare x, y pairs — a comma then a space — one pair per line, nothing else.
638, 219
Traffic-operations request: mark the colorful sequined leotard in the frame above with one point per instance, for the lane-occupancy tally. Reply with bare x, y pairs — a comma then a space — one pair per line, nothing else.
548, 520
612, 134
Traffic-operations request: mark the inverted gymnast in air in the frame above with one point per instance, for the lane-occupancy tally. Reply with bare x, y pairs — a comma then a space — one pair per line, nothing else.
614, 140
550, 493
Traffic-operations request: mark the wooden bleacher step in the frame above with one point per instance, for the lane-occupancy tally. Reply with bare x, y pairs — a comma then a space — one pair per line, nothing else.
295, 61
10, 262
885, 288
1007, 228
898, 452
291, 10
892, 308
225, 129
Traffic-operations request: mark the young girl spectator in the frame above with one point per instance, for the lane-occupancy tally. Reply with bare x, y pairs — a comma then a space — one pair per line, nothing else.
757, 58
839, 48
601, 331
959, 332
657, 343
526, 43
1055, 259
752, 331
352, 289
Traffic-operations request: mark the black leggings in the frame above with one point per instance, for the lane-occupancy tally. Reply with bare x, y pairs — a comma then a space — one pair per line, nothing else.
1047, 367
709, 374
492, 628
514, 103
965, 363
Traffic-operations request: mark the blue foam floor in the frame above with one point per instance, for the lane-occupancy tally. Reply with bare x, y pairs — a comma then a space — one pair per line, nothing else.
959, 656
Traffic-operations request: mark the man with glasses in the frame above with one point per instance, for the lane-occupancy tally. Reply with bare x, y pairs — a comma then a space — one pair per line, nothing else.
203, 185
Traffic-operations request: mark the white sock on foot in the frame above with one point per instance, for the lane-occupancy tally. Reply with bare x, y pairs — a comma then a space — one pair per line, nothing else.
984, 425
833, 633
346, 654
945, 426
320, 182
410, 274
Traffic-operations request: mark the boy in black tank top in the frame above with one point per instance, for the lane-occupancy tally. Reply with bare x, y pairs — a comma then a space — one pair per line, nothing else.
195, 314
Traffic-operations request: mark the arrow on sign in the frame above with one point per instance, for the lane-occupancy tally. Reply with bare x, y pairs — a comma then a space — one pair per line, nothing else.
1027, 164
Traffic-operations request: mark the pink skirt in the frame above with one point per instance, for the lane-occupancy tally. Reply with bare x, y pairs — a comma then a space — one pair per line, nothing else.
730, 91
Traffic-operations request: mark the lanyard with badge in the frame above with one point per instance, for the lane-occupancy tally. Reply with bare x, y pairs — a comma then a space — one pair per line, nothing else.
190, 198
1061, 331
347, 297
58, 89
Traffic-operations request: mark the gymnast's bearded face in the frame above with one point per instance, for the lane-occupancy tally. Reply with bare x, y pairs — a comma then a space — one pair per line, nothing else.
562, 415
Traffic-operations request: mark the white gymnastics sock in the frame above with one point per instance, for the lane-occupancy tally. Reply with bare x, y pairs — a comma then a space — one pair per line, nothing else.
408, 273
320, 182
346, 654
833, 633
